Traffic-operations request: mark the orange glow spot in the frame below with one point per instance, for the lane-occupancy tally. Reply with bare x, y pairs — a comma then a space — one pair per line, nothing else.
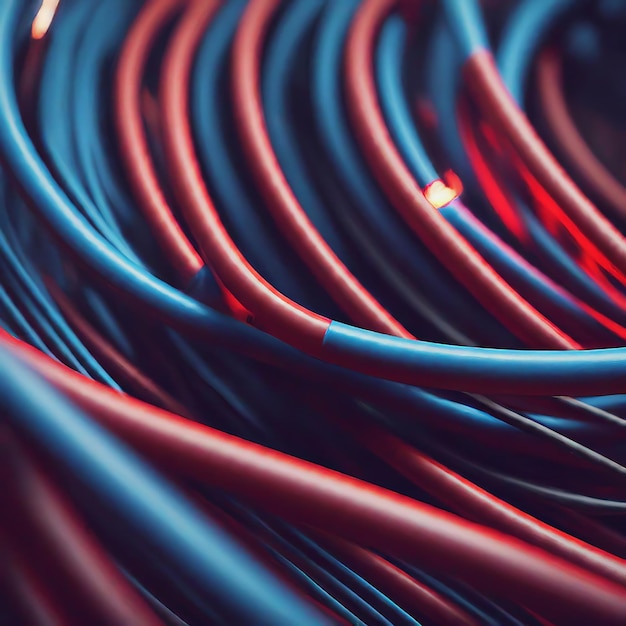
43, 19
440, 193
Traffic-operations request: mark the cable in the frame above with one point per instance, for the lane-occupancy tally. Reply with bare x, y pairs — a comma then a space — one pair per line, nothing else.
405, 521
482, 79
588, 167
386, 164
146, 503
224, 226
45, 524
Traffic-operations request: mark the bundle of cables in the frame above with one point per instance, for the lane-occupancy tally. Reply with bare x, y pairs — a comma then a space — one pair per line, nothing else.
312, 312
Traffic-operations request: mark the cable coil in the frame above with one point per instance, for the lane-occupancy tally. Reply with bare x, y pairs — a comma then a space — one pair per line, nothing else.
313, 312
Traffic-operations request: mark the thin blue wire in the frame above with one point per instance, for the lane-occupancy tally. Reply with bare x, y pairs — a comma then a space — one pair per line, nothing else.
357, 582
450, 593
54, 122
38, 302
342, 592
22, 325
278, 66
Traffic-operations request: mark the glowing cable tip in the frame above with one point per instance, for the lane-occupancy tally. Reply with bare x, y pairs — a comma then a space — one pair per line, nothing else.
43, 19
439, 194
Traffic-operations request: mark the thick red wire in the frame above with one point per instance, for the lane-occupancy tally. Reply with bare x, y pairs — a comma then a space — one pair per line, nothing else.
452, 250
134, 148
495, 190
345, 289
371, 516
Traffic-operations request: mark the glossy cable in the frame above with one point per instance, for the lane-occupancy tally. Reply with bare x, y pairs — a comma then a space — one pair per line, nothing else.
335, 502
82, 575
386, 164
207, 563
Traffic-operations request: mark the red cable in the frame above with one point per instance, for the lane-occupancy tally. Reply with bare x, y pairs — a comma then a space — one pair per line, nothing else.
561, 225
497, 195
133, 142
594, 530
302, 492
575, 149
272, 311
452, 250
605, 243
344, 288
472, 502
135, 150
78, 571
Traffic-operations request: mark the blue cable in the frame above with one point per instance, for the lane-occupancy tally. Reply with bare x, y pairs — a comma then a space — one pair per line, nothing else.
278, 67
524, 31
389, 61
466, 24
102, 36
443, 80
462, 368
532, 371
202, 561
54, 100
